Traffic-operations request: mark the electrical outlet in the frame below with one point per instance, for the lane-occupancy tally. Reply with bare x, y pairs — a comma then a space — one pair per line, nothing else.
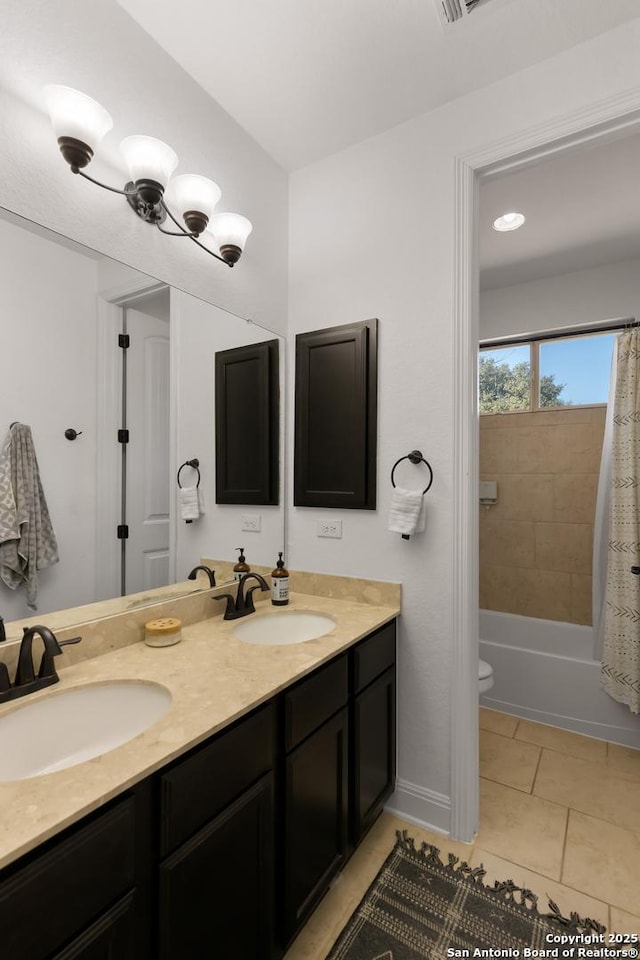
250, 523
330, 528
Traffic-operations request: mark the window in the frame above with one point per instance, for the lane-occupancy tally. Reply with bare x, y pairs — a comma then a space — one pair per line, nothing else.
545, 374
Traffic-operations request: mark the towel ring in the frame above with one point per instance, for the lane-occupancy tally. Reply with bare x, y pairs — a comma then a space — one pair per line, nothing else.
415, 457
194, 464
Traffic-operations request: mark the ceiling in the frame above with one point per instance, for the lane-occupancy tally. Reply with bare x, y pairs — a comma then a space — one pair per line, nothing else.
582, 210
307, 78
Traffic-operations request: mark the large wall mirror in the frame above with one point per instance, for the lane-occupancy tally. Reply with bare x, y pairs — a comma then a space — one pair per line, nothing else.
63, 309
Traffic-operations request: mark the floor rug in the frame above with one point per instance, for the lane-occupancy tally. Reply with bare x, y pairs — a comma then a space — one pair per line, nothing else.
419, 907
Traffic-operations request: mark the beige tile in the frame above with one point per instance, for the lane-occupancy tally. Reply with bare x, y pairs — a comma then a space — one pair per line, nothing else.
508, 761
623, 761
563, 741
497, 722
498, 452
585, 444
603, 860
545, 594
567, 899
565, 547
544, 449
498, 586
623, 922
587, 786
526, 829
574, 498
507, 543
527, 497
581, 599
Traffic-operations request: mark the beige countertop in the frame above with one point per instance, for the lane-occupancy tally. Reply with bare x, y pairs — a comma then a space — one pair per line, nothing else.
213, 679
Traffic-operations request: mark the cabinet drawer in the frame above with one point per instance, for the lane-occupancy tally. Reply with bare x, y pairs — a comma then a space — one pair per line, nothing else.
373, 656
313, 701
200, 786
60, 892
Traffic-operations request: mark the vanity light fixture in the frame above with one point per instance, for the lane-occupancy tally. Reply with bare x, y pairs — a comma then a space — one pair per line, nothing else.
80, 124
509, 221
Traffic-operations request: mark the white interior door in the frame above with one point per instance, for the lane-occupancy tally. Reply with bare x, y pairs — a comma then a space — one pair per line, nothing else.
148, 483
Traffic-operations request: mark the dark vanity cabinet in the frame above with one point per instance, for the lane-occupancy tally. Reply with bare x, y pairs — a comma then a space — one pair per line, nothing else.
216, 878
226, 851
87, 893
373, 763
316, 797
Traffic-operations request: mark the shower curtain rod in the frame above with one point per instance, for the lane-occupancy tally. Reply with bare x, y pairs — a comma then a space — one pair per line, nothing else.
612, 326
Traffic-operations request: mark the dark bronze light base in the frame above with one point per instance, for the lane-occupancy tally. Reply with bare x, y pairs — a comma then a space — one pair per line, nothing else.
148, 210
230, 253
196, 222
75, 152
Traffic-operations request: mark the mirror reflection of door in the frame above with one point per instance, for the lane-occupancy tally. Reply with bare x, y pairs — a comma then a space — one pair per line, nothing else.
146, 461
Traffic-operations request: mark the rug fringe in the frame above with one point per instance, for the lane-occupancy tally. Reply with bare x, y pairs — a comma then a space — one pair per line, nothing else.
506, 889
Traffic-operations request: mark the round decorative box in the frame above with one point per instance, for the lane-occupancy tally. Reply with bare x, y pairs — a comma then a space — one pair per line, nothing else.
163, 632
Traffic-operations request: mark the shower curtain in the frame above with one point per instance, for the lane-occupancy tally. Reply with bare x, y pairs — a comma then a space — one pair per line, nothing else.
621, 642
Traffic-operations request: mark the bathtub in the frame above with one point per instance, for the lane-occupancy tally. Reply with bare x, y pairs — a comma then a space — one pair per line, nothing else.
544, 671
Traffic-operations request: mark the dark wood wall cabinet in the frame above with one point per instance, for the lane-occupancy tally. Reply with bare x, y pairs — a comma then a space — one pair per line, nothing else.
336, 417
226, 851
247, 390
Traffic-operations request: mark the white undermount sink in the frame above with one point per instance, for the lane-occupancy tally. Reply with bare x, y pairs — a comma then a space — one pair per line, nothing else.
67, 728
278, 629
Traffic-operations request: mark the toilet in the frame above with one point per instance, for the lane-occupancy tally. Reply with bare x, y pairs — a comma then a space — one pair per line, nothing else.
485, 676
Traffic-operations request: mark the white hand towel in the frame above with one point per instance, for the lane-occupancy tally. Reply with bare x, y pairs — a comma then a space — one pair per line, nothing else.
406, 515
189, 503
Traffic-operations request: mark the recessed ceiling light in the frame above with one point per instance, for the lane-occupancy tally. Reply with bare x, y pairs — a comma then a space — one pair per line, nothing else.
509, 221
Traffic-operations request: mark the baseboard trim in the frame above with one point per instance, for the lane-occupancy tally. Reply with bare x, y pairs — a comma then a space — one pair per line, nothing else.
426, 808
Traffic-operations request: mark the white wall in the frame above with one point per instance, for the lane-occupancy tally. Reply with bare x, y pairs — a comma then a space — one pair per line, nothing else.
372, 234
199, 330
582, 297
48, 337
97, 48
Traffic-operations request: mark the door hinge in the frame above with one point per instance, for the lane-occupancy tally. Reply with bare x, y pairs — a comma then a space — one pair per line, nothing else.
124, 340
123, 531
123, 436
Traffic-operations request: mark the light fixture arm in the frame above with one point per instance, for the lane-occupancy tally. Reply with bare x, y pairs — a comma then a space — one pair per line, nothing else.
125, 193
185, 233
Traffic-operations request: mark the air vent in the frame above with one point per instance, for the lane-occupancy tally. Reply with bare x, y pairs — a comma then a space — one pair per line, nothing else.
450, 11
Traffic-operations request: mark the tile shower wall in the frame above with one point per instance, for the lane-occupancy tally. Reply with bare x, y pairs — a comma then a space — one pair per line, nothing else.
536, 542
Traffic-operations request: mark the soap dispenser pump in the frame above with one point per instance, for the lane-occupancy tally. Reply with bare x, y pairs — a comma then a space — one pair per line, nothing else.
279, 584
241, 566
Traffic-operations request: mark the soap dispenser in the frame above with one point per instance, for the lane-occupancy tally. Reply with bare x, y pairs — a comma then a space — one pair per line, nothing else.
279, 584
241, 566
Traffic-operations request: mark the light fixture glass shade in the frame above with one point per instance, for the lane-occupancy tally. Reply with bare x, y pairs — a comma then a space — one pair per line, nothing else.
149, 159
230, 229
74, 114
192, 192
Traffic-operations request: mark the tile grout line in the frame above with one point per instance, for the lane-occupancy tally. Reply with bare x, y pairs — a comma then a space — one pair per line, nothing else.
564, 844
533, 782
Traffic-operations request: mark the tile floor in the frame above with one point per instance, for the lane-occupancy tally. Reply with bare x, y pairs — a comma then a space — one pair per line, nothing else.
559, 813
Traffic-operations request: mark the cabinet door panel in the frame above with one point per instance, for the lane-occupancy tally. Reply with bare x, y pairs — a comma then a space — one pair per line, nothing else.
216, 891
69, 885
112, 937
315, 818
199, 786
374, 751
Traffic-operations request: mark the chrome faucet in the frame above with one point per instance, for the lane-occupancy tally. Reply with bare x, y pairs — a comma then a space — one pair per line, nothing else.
26, 680
209, 572
242, 605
